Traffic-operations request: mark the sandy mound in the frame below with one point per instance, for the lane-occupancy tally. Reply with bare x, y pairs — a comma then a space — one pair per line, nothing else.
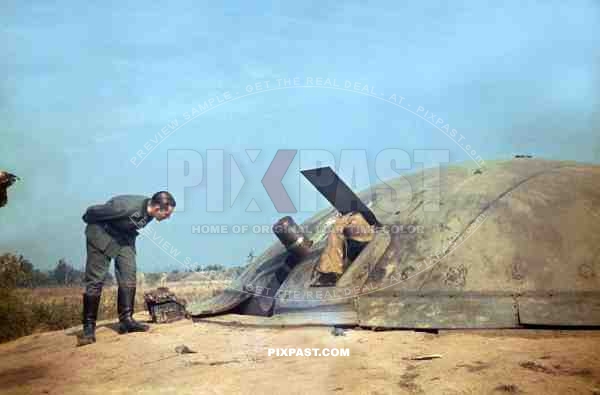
232, 358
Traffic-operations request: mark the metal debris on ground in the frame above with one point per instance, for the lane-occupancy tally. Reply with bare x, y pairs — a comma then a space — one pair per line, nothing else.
215, 363
338, 332
424, 357
163, 306
183, 349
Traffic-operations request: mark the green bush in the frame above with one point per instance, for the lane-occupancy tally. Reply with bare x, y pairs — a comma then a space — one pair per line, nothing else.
16, 318
56, 315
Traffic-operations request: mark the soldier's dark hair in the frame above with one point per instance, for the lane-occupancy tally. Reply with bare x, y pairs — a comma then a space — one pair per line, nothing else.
163, 199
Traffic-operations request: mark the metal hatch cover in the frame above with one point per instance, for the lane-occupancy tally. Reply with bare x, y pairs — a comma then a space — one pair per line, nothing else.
335, 190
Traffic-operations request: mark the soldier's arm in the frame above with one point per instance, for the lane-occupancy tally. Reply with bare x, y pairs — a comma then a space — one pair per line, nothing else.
111, 210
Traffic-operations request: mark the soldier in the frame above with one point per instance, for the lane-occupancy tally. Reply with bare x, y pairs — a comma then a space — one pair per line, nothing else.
111, 232
333, 260
6, 180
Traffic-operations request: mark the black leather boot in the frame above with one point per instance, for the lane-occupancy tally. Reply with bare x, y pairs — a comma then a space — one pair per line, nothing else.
90, 314
125, 304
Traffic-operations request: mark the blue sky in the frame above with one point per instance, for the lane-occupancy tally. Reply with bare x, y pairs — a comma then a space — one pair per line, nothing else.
85, 86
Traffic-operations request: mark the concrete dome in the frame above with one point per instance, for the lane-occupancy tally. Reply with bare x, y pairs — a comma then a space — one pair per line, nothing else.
514, 243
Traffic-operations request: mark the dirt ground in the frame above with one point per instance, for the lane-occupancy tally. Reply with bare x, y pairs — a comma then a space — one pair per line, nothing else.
232, 358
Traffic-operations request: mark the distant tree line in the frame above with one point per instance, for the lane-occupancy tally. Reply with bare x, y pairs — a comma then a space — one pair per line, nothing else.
212, 270
18, 272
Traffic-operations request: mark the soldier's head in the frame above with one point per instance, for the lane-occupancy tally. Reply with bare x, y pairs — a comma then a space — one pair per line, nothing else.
161, 205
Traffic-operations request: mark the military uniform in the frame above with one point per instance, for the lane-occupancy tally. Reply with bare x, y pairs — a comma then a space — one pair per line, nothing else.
334, 258
111, 232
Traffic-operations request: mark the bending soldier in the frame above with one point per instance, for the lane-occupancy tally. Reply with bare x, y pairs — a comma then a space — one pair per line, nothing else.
111, 231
